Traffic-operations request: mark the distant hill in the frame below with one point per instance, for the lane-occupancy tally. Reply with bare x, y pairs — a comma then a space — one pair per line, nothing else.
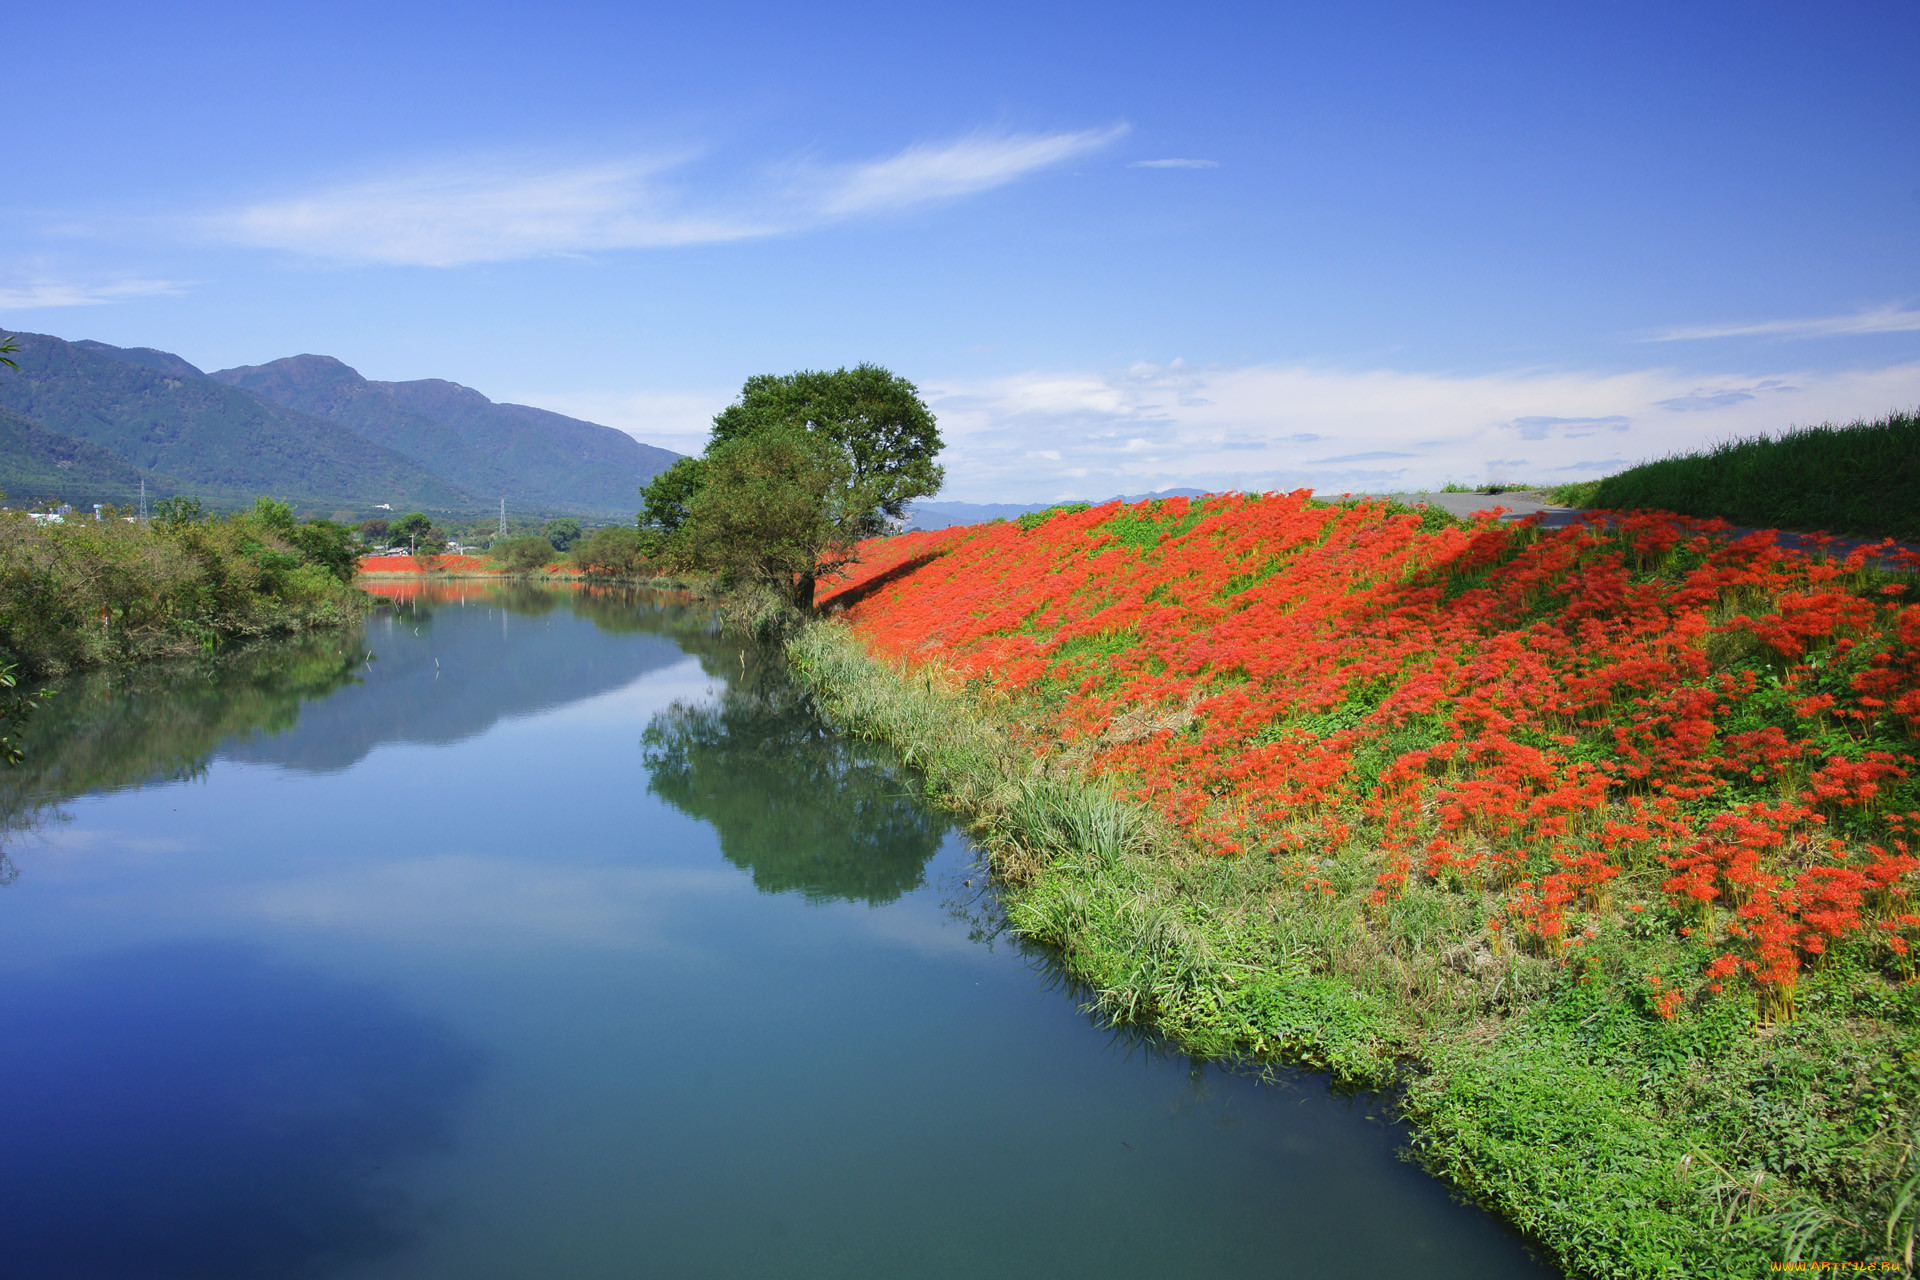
163, 417
37, 463
530, 456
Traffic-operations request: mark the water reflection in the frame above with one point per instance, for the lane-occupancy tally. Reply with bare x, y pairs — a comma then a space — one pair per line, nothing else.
795, 803
438, 685
106, 730
198, 1110
322, 703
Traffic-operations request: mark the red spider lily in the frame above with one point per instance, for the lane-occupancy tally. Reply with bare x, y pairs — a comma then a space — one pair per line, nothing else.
1531, 711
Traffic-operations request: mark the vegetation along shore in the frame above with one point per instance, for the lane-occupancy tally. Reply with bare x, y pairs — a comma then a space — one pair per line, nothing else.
1596, 843
84, 592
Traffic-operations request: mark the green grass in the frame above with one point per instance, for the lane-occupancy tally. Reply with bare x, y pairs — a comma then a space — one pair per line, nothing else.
1862, 480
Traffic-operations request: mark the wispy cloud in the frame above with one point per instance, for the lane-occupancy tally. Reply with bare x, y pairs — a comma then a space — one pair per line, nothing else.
1887, 319
1175, 162
493, 210
945, 171
1155, 426
65, 293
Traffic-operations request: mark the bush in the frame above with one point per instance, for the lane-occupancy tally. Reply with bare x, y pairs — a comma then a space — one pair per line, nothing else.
615, 553
523, 555
83, 593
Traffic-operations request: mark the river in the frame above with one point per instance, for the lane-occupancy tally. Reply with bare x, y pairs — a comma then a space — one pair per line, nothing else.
538, 933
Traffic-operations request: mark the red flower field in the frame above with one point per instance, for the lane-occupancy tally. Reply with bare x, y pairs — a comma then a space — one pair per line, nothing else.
1530, 714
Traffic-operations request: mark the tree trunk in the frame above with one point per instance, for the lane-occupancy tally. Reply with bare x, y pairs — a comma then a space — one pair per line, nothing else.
803, 591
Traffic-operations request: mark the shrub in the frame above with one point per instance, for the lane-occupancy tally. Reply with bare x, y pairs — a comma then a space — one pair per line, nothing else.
87, 592
523, 555
615, 553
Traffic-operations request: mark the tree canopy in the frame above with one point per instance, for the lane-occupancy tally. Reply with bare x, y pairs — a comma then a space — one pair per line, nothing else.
796, 473
562, 533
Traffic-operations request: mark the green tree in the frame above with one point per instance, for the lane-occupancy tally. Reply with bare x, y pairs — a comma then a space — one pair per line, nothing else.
562, 533
796, 473
414, 524
523, 555
616, 552
328, 545
373, 530
664, 500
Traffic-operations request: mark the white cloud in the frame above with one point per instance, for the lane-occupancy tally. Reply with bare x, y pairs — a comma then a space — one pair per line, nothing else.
1260, 427
493, 210
1887, 319
946, 171
56, 293
1175, 162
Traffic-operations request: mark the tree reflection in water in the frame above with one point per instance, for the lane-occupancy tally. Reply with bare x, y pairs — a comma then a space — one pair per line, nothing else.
796, 804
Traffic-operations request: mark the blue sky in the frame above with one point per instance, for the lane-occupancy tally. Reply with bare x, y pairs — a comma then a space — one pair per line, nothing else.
1120, 247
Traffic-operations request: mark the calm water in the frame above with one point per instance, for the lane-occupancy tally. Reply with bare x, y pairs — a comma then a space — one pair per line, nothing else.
531, 935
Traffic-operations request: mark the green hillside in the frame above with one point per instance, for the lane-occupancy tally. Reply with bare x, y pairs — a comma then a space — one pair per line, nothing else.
1862, 480
37, 464
534, 458
157, 413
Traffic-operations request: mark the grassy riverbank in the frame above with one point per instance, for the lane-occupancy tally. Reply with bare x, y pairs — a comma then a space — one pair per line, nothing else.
1595, 840
85, 593
1861, 480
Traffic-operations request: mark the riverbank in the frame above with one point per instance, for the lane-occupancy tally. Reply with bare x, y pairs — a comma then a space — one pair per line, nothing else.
1595, 840
558, 573
87, 593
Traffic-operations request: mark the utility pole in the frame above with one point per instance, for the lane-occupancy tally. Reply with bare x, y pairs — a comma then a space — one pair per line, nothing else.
503, 517
143, 499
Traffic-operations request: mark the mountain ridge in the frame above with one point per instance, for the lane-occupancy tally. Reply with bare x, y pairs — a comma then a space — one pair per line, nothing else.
159, 414
531, 456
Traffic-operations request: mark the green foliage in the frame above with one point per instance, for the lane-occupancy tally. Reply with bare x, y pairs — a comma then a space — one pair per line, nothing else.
666, 499
326, 544
523, 555
16, 708
1580, 493
414, 524
83, 593
1862, 480
612, 553
875, 419
172, 514
562, 533
768, 514
796, 473
374, 530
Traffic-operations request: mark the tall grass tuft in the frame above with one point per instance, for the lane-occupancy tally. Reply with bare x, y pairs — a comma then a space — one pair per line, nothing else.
1862, 480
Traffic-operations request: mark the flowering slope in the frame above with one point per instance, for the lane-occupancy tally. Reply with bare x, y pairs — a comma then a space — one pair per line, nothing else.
1522, 714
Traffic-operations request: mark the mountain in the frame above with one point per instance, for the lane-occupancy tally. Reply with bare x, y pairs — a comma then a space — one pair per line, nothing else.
530, 456
165, 418
36, 464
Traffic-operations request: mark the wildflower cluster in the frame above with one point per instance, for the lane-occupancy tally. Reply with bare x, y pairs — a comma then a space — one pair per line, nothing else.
1523, 713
